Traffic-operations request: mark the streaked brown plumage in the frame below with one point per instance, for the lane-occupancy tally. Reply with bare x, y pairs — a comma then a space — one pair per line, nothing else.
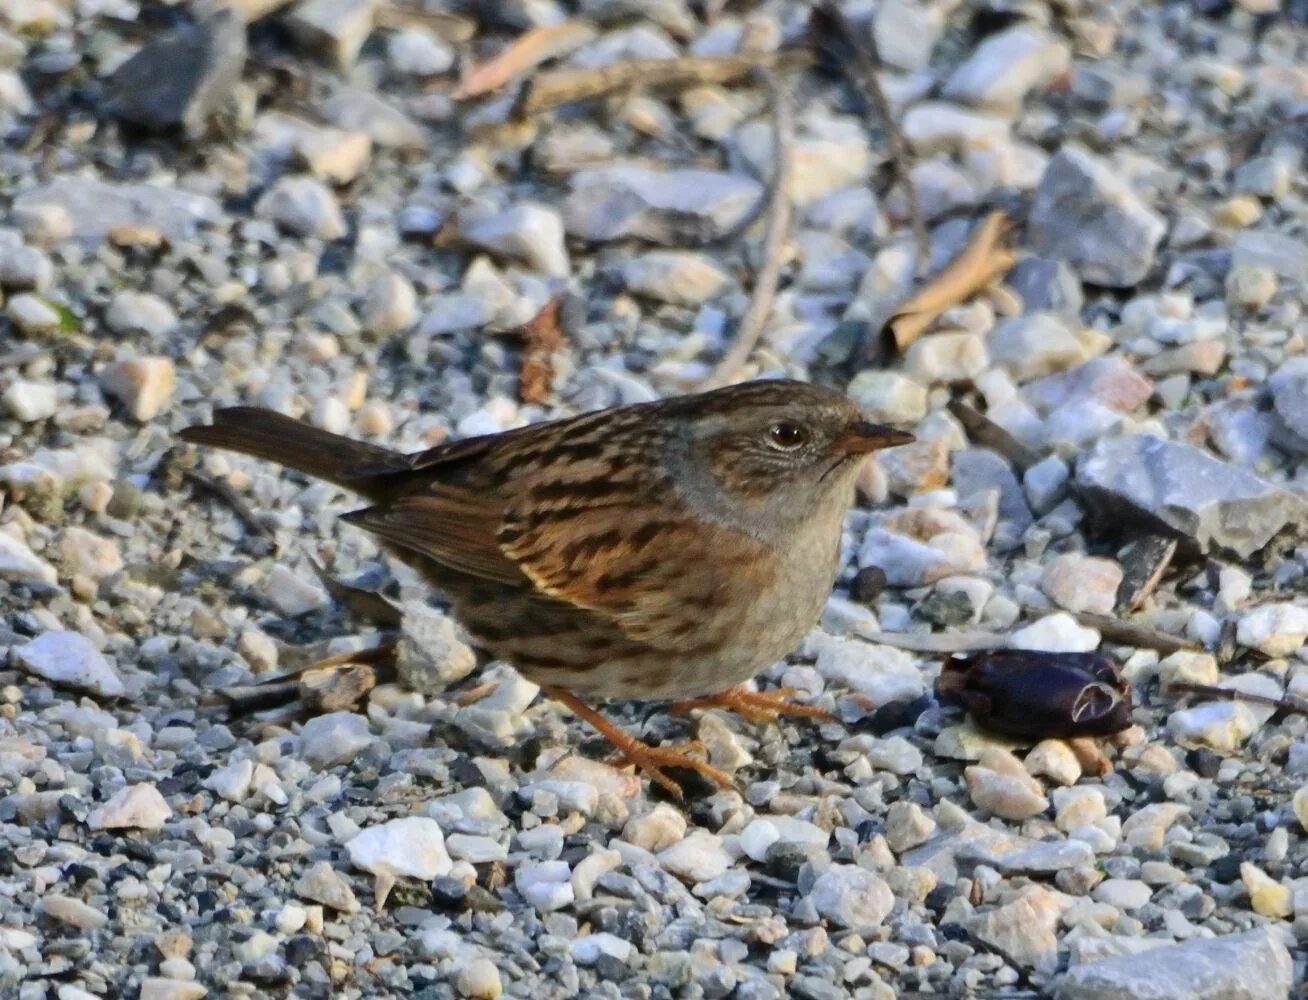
664, 550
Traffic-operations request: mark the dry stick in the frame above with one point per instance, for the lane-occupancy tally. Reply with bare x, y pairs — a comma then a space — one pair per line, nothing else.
862, 68
454, 28
989, 434
564, 86
774, 240
979, 263
522, 55
936, 642
224, 492
1130, 634
1286, 703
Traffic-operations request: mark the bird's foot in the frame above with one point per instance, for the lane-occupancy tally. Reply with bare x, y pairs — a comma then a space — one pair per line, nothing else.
756, 706
649, 759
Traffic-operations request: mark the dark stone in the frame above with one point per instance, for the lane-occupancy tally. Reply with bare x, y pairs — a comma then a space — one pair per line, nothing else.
179, 80
1203, 762
611, 969
952, 932
304, 948
869, 583
77, 873
1226, 869
205, 901
783, 860
896, 715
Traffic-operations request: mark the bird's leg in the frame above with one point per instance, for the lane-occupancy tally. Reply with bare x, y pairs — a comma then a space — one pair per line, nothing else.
756, 706
647, 758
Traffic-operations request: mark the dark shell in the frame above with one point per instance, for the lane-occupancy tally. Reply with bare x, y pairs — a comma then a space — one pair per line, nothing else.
1030, 693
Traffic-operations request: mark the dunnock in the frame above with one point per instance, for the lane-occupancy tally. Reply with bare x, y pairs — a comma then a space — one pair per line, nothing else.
667, 550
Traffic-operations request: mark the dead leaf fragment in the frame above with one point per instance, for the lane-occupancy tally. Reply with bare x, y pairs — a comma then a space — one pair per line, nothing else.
522, 55
541, 337
980, 262
563, 86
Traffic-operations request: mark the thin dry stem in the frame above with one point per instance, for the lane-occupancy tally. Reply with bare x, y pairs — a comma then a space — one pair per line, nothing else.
861, 68
977, 265
1286, 703
1130, 634
779, 213
449, 27
989, 434
524, 54
224, 492
564, 86
937, 642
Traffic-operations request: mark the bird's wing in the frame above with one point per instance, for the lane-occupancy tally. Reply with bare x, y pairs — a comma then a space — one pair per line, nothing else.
656, 576
454, 526
656, 572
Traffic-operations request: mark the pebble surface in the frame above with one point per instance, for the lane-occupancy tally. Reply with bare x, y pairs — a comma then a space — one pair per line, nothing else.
286, 203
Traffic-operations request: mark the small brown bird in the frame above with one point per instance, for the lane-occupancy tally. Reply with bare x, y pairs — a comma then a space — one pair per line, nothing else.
667, 550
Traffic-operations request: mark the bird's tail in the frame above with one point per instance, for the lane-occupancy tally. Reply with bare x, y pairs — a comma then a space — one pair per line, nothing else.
294, 444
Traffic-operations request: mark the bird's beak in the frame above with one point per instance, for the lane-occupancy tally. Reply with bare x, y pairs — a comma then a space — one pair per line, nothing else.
862, 437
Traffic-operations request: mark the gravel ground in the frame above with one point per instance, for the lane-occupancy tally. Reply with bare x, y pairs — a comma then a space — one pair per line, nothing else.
304, 214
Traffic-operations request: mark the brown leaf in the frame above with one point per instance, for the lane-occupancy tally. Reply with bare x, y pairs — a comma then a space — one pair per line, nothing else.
522, 55
541, 337
980, 262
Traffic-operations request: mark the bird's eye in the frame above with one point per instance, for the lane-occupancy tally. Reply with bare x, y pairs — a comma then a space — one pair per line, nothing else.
787, 435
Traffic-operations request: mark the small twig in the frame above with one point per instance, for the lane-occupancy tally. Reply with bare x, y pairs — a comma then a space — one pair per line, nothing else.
862, 68
454, 28
936, 642
564, 86
1143, 566
985, 432
1130, 634
222, 491
1286, 703
979, 263
774, 240
522, 55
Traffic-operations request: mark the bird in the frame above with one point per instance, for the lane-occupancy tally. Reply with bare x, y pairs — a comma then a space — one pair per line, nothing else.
660, 551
